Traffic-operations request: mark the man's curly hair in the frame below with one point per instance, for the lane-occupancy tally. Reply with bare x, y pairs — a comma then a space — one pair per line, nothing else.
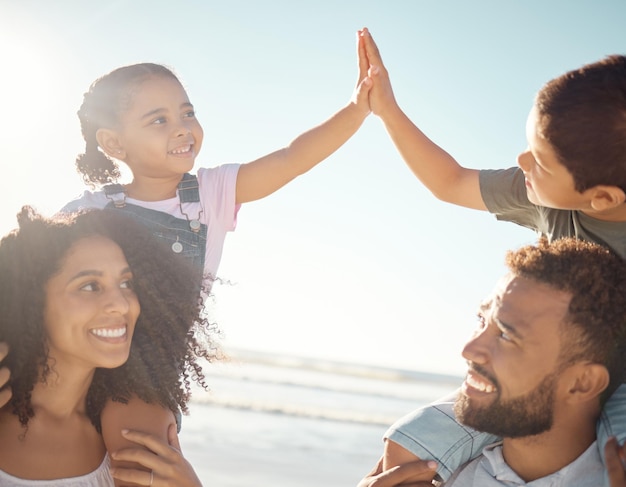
595, 277
171, 336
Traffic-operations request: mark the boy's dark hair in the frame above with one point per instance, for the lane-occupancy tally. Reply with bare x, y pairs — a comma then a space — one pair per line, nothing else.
171, 334
582, 115
107, 98
595, 326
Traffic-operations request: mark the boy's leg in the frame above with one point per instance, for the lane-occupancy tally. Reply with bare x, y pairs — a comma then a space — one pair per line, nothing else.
612, 421
432, 433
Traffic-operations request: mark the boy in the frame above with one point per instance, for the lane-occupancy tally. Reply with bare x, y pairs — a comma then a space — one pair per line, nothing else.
571, 181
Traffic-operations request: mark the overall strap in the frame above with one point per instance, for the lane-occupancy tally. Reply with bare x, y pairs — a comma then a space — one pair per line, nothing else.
188, 189
115, 192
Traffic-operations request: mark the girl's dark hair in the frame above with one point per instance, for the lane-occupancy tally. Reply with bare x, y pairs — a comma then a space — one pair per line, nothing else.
583, 116
107, 98
171, 334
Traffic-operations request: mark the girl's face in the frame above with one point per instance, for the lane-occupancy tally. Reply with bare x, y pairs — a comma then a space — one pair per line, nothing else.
159, 134
91, 308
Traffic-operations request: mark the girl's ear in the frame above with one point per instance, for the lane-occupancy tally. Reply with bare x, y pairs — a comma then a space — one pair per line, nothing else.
605, 197
109, 142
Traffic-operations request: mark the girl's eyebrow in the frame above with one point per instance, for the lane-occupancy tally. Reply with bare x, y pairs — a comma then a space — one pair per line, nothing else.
151, 113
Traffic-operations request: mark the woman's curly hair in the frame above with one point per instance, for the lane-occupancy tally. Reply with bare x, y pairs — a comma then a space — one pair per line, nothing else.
172, 333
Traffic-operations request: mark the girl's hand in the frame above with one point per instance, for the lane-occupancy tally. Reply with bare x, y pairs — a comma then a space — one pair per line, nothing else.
360, 96
414, 474
166, 464
5, 390
615, 462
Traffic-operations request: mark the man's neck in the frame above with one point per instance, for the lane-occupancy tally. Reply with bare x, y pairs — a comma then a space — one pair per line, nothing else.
534, 457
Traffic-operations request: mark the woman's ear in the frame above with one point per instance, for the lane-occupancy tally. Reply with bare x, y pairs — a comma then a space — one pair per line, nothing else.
109, 142
604, 197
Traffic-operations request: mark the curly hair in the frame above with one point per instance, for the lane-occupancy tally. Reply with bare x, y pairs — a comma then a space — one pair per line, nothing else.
107, 98
595, 325
171, 336
583, 116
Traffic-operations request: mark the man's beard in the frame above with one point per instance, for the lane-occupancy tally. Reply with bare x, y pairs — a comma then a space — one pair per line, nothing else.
527, 415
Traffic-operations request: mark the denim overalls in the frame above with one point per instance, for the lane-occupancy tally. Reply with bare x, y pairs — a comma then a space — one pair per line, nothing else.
185, 237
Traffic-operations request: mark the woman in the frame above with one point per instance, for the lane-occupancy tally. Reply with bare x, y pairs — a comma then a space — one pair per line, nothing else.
74, 293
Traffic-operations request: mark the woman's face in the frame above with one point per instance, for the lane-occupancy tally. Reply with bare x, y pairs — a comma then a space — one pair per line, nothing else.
91, 308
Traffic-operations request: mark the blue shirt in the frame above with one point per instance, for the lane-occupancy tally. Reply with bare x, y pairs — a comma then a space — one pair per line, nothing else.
490, 470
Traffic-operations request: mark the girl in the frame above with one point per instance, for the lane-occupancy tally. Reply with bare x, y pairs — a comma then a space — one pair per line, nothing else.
73, 294
142, 116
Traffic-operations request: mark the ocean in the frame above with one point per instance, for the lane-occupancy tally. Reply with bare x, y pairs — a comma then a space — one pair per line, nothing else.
284, 421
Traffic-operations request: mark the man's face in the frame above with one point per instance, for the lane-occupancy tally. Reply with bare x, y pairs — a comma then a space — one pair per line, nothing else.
513, 360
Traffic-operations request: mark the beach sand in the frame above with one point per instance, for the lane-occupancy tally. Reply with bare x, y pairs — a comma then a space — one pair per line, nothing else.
241, 448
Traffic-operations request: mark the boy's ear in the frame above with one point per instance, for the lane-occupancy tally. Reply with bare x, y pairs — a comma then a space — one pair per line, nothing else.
606, 197
109, 142
586, 381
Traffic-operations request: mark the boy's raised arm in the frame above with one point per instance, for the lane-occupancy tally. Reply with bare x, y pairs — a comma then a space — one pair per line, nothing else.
269, 173
432, 165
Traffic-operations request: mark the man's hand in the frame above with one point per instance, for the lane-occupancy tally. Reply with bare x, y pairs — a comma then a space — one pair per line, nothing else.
414, 474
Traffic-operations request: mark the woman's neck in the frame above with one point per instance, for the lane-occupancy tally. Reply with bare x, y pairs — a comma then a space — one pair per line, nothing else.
62, 394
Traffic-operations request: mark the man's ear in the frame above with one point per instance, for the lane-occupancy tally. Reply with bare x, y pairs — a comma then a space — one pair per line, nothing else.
606, 197
109, 142
585, 381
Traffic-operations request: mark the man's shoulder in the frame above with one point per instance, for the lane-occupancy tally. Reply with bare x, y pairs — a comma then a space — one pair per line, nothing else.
490, 469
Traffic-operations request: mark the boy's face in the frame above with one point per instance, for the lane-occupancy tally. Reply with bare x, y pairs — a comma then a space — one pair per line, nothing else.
548, 182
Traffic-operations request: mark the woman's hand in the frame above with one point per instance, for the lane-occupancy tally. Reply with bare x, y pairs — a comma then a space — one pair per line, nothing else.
166, 464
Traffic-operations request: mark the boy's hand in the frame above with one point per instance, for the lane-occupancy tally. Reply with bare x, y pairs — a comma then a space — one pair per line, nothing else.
360, 96
414, 474
615, 462
381, 97
5, 390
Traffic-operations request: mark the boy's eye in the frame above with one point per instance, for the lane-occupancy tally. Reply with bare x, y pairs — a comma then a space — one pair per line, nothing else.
159, 121
190, 114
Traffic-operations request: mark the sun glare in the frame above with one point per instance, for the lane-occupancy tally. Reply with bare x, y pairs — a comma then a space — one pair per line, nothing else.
38, 100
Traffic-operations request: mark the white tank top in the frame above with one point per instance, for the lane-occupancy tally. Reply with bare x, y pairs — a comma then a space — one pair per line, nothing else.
100, 477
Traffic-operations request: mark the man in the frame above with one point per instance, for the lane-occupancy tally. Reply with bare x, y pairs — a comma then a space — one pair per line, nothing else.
547, 353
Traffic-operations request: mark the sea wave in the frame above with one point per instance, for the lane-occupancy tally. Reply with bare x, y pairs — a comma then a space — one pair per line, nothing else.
320, 389
281, 408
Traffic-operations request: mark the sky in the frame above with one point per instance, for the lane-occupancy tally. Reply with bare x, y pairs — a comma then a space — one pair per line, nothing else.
354, 261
